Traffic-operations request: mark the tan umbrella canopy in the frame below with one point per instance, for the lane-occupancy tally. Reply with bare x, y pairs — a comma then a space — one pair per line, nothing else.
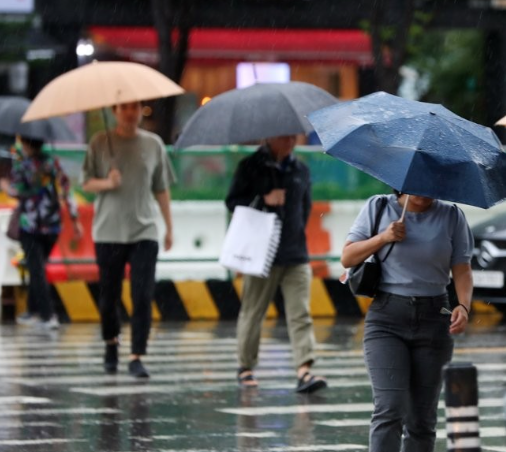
98, 85
501, 122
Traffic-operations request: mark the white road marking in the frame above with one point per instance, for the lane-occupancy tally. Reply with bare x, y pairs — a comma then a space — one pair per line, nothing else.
37, 442
168, 367
345, 422
104, 391
337, 408
257, 434
297, 409
8, 400
48, 412
485, 432
177, 377
322, 448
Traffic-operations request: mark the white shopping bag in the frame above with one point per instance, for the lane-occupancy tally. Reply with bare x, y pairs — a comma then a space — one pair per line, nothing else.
251, 241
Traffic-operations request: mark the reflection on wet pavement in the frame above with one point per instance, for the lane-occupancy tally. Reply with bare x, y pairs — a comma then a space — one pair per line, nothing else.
54, 395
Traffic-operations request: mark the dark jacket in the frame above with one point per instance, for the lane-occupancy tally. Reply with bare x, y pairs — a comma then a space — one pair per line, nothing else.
257, 175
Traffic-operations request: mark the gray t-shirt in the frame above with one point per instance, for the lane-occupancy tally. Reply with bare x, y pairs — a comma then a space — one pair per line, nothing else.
128, 213
435, 240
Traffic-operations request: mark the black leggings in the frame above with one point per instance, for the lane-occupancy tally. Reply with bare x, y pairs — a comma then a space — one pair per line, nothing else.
37, 248
112, 259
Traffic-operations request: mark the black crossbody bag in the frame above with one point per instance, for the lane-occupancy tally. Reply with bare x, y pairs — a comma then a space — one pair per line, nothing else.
363, 279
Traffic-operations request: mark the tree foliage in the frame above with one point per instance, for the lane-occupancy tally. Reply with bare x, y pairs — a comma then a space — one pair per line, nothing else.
13, 39
453, 64
173, 23
450, 62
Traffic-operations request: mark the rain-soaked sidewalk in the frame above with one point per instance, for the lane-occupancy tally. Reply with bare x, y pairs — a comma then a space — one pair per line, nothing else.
54, 395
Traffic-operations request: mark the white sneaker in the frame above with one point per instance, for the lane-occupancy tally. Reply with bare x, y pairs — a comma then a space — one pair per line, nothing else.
51, 324
27, 318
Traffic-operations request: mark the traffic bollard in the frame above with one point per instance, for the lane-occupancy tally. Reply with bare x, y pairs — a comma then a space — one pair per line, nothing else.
462, 416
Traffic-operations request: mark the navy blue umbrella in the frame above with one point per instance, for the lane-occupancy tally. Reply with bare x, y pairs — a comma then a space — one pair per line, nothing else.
415, 147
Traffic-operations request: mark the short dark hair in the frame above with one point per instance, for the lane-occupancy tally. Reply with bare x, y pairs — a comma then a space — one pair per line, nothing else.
35, 143
115, 106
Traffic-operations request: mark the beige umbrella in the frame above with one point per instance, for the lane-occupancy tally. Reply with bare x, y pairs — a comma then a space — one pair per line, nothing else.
501, 122
98, 85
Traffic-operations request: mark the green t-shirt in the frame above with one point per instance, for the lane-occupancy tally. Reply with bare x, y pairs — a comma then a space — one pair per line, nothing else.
128, 214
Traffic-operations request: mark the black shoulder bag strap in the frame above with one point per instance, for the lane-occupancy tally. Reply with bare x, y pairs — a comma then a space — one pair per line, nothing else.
381, 209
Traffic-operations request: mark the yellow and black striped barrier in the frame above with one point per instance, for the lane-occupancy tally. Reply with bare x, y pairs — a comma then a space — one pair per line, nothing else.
77, 301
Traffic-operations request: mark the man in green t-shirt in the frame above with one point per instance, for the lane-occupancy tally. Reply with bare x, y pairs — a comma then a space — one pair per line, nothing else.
129, 170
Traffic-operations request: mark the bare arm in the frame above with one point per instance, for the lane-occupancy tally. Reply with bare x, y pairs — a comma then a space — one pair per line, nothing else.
355, 253
4, 184
163, 199
463, 279
64, 182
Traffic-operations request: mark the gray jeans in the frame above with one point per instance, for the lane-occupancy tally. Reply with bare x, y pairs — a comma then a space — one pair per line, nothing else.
406, 344
294, 281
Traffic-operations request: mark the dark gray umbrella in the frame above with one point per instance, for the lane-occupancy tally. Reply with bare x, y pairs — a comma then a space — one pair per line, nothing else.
12, 108
260, 111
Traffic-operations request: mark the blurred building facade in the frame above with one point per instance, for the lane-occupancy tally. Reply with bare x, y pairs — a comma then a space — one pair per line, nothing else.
320, 40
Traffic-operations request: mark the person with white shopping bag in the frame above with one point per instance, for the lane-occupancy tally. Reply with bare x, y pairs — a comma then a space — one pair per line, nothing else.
281, 184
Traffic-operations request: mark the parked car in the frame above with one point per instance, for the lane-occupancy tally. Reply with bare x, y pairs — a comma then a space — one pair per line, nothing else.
489, 261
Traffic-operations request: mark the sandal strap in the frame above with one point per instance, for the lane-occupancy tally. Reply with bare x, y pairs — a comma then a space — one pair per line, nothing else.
302, 379
243, 370
248, 377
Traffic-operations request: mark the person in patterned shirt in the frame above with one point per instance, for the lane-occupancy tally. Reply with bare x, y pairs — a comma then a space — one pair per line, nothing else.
37, 181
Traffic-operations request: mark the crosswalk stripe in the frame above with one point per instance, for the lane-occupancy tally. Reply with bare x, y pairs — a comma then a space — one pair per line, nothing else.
38, 442
176, 348
181, 386
190, 362
323, 448
87, 360
336, 408
12, 400
54, 411
184, 376
485, 432
97, 368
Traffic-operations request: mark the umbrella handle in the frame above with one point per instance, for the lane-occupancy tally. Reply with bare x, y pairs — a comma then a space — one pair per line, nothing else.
404, 209
108, 136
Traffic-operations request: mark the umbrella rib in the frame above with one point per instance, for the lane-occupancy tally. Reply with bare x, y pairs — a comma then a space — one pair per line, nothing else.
460, 140
230, 123
297, 114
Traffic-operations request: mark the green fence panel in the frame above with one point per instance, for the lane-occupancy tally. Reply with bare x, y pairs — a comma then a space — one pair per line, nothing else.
205, 173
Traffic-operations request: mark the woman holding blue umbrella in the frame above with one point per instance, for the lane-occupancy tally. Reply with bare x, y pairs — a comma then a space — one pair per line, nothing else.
430, 153
408, 328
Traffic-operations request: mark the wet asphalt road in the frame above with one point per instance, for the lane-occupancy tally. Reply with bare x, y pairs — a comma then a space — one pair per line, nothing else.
54, 395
